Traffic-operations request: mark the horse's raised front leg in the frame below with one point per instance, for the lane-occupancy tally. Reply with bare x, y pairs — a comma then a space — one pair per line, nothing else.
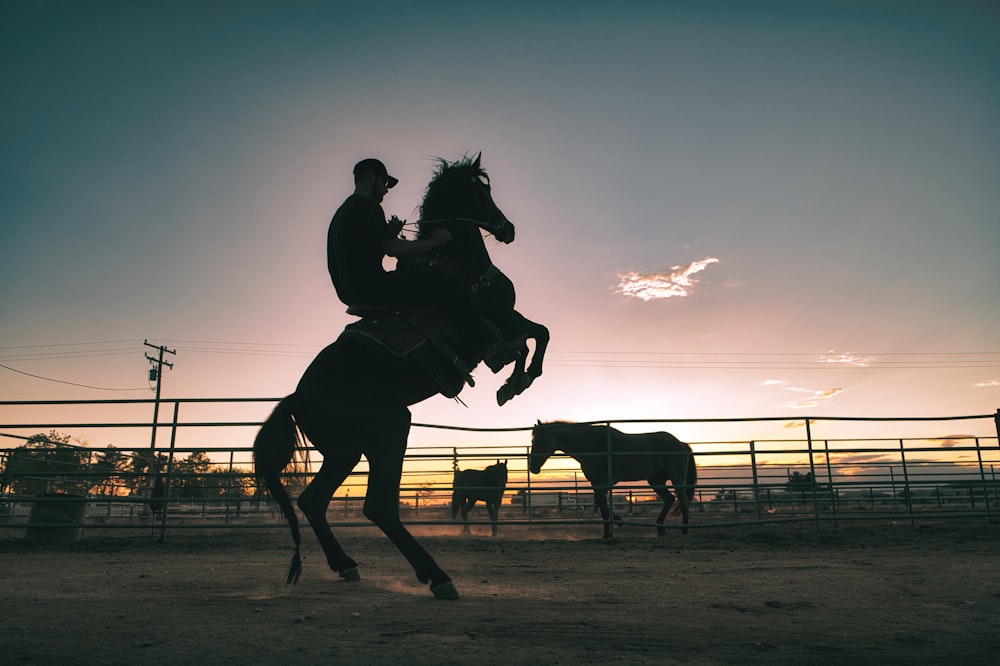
385, 449
524, 373
315, 500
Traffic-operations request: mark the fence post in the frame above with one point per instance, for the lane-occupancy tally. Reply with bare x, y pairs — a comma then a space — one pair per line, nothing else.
756, 480
170, 469
611, 484
982, 479
527, 493
907, 494
812, 470
834, 497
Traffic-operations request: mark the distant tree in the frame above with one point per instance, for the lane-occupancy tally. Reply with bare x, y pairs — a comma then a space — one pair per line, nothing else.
189, 475
800, 483
109, 469
194, 477
48, 463
804, 484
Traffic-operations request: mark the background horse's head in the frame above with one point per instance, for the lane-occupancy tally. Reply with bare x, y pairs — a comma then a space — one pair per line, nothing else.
499, 472
459, 199
543, 445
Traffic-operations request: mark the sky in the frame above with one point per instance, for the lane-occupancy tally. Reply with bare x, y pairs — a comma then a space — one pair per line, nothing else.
724, 209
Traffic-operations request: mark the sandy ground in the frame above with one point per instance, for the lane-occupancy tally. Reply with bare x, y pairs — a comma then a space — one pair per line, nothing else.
792, 594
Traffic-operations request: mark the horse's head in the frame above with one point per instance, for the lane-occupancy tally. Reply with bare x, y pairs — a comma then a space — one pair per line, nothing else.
499, 472
459, 198
543, 445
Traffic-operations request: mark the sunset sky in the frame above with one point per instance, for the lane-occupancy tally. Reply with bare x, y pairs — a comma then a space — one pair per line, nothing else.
723, 209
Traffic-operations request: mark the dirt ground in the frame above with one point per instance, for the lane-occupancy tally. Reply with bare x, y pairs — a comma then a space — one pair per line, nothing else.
778, 594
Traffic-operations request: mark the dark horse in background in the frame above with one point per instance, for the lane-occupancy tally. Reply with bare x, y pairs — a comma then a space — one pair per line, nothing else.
472, 485
656, 457
353, 398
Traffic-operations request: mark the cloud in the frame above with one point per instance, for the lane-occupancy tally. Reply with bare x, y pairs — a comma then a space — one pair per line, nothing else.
987, 383
847, 358
814, 397
950, 441
799, 424
648, 286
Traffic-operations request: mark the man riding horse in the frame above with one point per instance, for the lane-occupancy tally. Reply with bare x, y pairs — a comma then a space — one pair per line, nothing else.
358, 240
353, 399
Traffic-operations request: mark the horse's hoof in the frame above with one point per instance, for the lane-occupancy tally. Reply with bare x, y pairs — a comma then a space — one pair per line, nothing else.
504, 394
444, 590
350, 575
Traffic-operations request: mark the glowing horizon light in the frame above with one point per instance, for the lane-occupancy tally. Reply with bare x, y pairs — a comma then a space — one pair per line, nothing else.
648, 286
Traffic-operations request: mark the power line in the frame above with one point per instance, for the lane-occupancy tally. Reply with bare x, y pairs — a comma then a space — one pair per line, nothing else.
60, 381
718, 360
70, 344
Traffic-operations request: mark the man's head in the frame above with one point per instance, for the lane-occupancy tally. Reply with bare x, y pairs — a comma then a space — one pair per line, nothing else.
372, 178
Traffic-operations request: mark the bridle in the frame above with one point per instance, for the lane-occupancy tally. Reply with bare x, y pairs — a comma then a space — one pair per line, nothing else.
491, 227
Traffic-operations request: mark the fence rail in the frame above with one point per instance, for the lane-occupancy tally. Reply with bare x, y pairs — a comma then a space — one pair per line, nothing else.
200, 479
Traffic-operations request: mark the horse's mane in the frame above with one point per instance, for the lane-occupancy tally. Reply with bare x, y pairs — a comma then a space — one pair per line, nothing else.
445, 172
555, 423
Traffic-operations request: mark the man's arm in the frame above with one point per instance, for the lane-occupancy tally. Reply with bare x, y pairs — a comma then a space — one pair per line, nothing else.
400, 247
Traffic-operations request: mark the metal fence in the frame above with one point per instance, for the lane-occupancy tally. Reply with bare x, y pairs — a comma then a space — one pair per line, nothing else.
111, 469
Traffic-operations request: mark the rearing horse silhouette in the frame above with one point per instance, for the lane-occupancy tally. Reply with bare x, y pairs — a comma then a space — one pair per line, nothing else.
353, 398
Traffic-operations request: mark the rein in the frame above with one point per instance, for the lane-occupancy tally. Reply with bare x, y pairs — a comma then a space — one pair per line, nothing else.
482, 224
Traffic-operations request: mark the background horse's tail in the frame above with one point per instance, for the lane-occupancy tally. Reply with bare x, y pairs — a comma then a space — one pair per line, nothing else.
688, 487
273, 449
691, 477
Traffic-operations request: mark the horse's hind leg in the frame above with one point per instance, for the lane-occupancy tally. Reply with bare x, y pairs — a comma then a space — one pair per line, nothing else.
659, 484
315, 500
494, 511
385, 461
467, 503
601, 500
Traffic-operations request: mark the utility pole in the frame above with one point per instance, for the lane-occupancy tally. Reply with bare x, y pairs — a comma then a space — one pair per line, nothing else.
156, 373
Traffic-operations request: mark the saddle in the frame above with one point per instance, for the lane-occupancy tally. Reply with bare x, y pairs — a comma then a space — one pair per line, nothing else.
427, 336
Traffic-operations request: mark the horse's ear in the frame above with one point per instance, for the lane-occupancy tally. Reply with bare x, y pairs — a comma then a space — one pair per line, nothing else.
479, 158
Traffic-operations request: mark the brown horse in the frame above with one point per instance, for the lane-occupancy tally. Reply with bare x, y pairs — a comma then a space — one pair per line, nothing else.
471, 485
353, 399
655, 456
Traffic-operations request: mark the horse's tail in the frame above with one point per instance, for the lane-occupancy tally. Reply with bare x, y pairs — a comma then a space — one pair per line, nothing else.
273, 449
687, 488
691, 477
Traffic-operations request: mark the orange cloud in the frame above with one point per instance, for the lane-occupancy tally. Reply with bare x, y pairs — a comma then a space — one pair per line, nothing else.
648, 286
950, 441
814, 398
799, 424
